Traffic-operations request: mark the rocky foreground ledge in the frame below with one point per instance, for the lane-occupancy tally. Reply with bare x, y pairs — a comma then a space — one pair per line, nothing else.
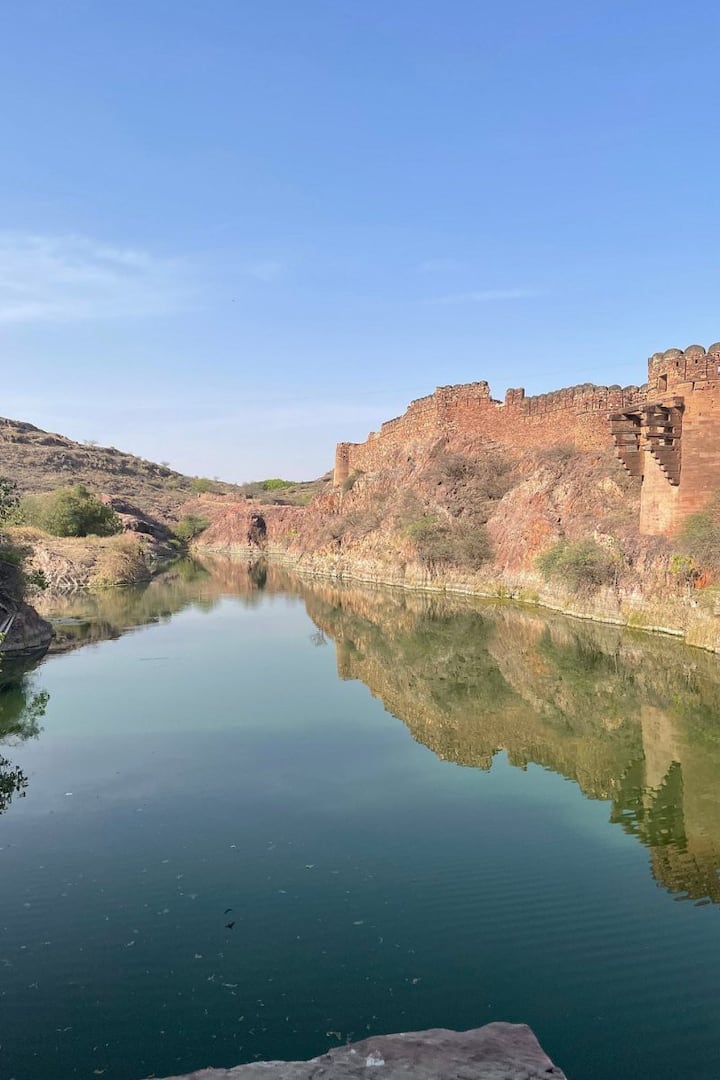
23, 633
495, 1052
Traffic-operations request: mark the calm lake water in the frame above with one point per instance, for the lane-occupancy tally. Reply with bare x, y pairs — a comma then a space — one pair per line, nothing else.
254, 817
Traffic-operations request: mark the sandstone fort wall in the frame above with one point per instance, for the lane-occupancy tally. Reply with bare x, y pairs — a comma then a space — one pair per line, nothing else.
575, 415
685, 383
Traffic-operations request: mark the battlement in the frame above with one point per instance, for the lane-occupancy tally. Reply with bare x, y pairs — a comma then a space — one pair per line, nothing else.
574, 414
686, 368
585, 397
666, 431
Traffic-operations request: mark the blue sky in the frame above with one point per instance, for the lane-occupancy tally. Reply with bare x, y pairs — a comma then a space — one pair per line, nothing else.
237, 231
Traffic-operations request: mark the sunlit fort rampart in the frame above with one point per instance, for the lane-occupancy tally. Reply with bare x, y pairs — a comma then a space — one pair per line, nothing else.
666, 432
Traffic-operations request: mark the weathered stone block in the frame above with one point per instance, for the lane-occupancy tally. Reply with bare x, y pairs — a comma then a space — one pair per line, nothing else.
494, 1052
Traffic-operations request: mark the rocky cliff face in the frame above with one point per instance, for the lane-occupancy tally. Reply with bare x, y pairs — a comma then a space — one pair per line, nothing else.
464, 514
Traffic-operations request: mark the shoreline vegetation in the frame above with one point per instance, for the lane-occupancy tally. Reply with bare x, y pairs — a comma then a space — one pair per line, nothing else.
640, 618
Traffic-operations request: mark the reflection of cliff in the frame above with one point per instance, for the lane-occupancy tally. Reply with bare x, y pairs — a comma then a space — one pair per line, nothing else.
85, 617
630, 718
635, 720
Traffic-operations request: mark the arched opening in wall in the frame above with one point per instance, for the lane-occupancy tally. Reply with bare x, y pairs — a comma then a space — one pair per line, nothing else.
662, 384
257, 533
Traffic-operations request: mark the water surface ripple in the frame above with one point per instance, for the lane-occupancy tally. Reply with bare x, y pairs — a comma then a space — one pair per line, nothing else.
244, 816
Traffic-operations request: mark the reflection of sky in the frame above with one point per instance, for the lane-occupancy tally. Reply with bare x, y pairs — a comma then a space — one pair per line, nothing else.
216, 761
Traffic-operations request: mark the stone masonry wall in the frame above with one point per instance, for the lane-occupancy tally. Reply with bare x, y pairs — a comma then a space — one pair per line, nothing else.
687, 380
576, 415
693, 376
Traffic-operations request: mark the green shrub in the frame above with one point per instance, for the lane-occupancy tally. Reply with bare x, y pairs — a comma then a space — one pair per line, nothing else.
9, 500
70, 511
582, 565
432, 541
200, 484
276, 484
699, 537
682, 569
350, 481
14, 578
190, 526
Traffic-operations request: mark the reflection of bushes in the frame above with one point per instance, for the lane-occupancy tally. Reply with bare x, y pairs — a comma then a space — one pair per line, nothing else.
583, 565
190, 570
258, 574
594, 681
20, 712
13, 781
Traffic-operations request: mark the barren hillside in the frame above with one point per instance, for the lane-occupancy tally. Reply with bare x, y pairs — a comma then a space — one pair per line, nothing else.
41, 461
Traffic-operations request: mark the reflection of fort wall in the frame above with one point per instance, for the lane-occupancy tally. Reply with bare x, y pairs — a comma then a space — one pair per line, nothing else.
629, 718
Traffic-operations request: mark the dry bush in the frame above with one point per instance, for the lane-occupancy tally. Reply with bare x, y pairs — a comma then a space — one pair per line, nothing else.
469, 486
119, 562
561, 454
581, 565
444, 544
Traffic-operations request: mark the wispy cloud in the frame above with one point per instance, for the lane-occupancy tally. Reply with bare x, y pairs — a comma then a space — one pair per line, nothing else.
70, 278
485, 296
440, 266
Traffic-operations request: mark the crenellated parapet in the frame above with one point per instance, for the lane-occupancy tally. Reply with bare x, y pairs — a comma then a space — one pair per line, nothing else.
575, 414
666, 432
671, 439
694, 368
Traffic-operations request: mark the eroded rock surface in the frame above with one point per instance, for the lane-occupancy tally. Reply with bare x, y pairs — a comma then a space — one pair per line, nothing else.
24, 632
495, 1052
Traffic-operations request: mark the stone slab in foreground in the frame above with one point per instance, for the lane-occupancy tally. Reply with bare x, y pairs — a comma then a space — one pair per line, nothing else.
495, 1052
